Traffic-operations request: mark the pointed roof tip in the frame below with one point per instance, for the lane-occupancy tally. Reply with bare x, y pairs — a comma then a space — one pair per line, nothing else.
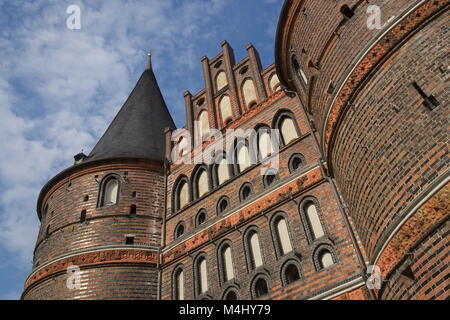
148, 65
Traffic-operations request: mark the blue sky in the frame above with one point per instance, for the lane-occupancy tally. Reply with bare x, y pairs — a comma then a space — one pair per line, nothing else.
60, 88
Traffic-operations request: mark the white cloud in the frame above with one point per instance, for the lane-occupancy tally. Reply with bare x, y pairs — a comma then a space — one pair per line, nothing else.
59, 88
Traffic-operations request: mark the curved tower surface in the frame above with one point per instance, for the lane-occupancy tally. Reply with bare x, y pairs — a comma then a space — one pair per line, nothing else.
373, 77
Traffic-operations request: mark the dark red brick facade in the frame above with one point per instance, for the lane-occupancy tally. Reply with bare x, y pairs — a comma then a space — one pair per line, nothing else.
385, 142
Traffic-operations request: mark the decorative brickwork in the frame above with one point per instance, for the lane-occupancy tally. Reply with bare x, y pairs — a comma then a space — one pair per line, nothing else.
361, 176
373, 95
64, 238
92, 259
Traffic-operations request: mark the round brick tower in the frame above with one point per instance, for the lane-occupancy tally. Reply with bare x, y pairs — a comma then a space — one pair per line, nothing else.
101, 219
373, 78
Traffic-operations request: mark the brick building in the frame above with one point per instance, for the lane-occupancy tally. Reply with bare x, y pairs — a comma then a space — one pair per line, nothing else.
288, 182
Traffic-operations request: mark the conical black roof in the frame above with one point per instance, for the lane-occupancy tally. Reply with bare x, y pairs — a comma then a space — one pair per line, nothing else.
137, 131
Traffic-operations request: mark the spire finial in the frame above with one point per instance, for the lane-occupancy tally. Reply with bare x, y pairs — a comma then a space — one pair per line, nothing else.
148, 66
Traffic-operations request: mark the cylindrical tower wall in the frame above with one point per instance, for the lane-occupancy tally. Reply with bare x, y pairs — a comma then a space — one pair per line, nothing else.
114, 244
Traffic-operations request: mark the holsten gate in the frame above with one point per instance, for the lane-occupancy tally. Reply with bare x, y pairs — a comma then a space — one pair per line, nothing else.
340, 191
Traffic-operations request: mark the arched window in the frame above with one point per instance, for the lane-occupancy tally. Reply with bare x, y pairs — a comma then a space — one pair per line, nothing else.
221, 80
181, 194
270, 177
288, 130
325, 259
282, 236
254, 249
133, 210
242, 156
222, 170
202, 276
274, 83
284, 121
291, 273
226, 258
201, 181
201, 217
245, 192
231, 295
324, 256
179, 230
223, 205
225, 110
265, 147
248, 92
260, 288
296, 162
223, 173
110, 192
178, 284
202, 125
314, 220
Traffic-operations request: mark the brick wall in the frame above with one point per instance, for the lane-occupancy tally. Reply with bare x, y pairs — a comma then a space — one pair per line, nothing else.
424, 273
257, 213
391, 148
313, 281
64, 236
388, 151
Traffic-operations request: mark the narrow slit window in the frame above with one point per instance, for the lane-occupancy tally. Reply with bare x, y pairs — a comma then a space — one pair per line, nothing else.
203, 276
228, 267
129, 240
83, 216
255, 250
314, 221
179, 285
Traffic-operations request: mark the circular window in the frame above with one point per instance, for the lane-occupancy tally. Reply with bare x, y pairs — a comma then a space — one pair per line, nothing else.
296, 162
